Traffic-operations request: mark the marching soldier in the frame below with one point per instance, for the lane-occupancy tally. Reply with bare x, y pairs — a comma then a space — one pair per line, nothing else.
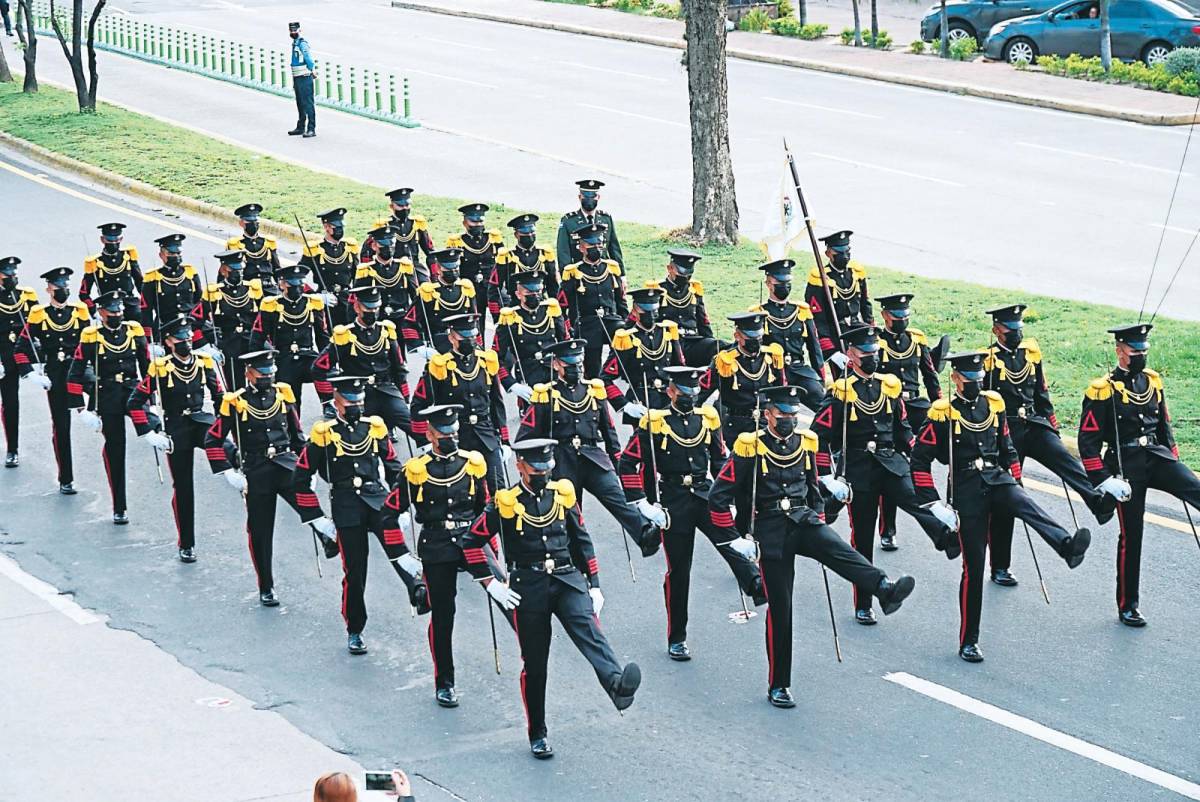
231, 306
1127, 446
16, 303
683, 303
448, 294
513, 264
258, 429
790, 325
739, 373
170, 290
863, 419
109, 361
970, 433
574, 413
353, 452
114, 268
905, 353
467, 379
478, 247
442, 491
552, 570
775, 468
670, 461
393, 276
523, 333
593, 293
1015, 370
588, 214
370, 348
410, 233
333, 262
294, 324
262, 257
847, 291
43, 356
639, 357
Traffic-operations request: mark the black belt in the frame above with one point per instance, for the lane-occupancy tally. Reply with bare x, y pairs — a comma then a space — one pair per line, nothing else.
746, 412
358, 483
578, 443
685, 479
1144, 440
978, 464
784, 504
547, 566
451, 525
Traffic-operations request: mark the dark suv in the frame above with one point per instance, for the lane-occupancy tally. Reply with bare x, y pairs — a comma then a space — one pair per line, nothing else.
974, 18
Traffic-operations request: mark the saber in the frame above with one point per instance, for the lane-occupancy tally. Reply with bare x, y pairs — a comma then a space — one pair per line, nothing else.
317, 270
1033, 554
816, 249
620, 367
1070, 504
1192, 523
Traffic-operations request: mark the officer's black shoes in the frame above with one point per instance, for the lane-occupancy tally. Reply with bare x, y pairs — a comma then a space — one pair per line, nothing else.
187, 555
309, 134
297, 131
865, 617
67, 489
626, 686
970, 652
355, 645
950, 544
120, 519
1073, 550
329, 544
540, 749
650, 542
887, 540
418, 597
679, 651
1103, 508
781, 697
892, 594
11, 460
1004, 577
446, 697
1132, 618
268, 599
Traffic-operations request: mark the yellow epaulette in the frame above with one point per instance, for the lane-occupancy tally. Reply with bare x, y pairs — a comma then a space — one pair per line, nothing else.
918, 337
315, 302
389, 328
505, 256
81, 312
507, 504
939, 410
495, 237
697, 287
379, 429
207, 362
803, 311
440, 366
1033, 351
454, 241
36, 315
89, 264
476, 464
88, 335
995, 400
654, 421
427, 290
270, 304
419, 222
747, 444
364, 271
508, 316
284, 390
670, 331
322, 433
189, 272
404, 266
233, 244
571, 271
231, 402
270, 244
711, 418
553, 308
541, 393
342, 335
726, 362
1155, 380
160, 367
151, 276
1099, 389
490, 360
132, 251
416, 470
312, 251
614, 268
564, 492
351, 242
891, 385
775, 352
467, 286
547, 254
843, 389
28, 295
134, 329
814, 277
596, 389
652, 284
857, 270
255, 285
808, 441
624, 339
212, 293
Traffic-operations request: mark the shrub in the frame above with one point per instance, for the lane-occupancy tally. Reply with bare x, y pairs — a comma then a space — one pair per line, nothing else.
785, 9
847, 36
1183, 62
918, 46
1135, 74
962, 49
790, 26
882, 42
757, 20
665, 10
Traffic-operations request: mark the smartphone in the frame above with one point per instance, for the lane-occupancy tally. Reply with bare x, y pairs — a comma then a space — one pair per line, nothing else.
380, 781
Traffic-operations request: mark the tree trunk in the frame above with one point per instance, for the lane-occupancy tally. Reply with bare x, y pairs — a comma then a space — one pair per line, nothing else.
28, 37
5, 73
714, 202
93, 76
802, 11
874, 24
1105, 38
857, 24
944, 29
85, 90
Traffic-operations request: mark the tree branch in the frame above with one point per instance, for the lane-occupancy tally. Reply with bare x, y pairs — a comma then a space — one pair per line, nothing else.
62, 40
93, 76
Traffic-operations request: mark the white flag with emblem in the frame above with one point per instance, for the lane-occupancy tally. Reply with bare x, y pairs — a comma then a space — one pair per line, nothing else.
784, 224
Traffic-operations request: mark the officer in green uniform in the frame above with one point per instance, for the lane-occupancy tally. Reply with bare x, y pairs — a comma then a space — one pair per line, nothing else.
588, 214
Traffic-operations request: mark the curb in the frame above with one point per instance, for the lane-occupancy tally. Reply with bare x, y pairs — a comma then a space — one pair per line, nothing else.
1091, 109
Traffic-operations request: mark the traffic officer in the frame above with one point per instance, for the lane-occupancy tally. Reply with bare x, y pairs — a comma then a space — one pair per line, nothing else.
393, 276
478, 246
448, 294
970, 433
354, 454
16, 303
230, 305
410, 233
841, 300
905, 353
523, 332
296, 325
108, 363
568, 246
171, 290
333, 262
640, 355
737, 374
683, 303
593, 293
43, 356
257, 429
261, 252
670, 461
1015, 370
512, 264
574, 414
443, 491
467, 377
863, 420
114, 268
790, 325
370, 348
1127, 447
552, 570
303, 84
775, 468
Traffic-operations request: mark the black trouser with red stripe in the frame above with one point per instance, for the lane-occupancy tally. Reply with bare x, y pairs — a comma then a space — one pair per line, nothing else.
10, 399
60, 430
355, 547
187, 436
1161, 474
265, 482
441, 579
887, 507
112, 426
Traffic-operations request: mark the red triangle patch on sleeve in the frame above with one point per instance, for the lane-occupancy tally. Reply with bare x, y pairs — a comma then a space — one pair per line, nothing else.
530, 417
1089, 423
634, 447
302, 462
322, 361
420, 391
611, 369
727, 473
825, 418
480, 528
928, 435
815, 306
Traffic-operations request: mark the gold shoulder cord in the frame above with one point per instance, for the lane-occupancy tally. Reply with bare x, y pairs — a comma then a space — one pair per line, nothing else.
105, 270
336, 260
103, 344
536, 328
890, 353
359, 347
557, 512
261, 253
249, 410
702, 436
297, 319
780, 460
574, 407
782, 322
48, 322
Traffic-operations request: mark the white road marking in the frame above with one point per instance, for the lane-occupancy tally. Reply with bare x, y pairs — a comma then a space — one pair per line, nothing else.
1176, 229
633, 114
893, 170
47, 593
581, 66
467, 81
333, 22
462, 45
823, 108
1101, 158
1046, 735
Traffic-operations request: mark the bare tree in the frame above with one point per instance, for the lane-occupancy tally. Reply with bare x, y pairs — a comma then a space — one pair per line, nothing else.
874, 24
5, 73
85, 86
714, 202
857, 24
943, 28
29, 42
1105, 38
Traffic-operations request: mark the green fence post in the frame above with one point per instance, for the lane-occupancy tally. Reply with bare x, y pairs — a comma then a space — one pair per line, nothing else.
339, 83
353, 89
223, 57
378, 97
407, 108
250, 61
328, 71
392, 93
274, 70
262, 66
241, 61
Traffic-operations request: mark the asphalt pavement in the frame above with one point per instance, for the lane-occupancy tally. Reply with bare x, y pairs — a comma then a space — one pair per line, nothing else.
901, 718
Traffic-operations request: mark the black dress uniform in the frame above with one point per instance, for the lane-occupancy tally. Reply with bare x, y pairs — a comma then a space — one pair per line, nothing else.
593, 294
848, 287
478, 246
50, 339
107, 366
1125, 432
437, 300
683, 303
790, 325
522, 337
411, 233
295, 325
231, 307
333, 262
670, 460
171, 290
552, 565
738, 376
1015, 370
262, 257
571, 223
113, 269
984, 472
393, 276
16, 304
518, 262
180, 380
640, 356
778, 473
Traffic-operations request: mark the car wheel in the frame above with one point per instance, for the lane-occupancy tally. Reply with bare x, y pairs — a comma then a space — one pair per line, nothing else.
960, 30
1155, 53
1020, 49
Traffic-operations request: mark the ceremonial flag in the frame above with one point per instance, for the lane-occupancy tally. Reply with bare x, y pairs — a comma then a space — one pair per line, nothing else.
784, 224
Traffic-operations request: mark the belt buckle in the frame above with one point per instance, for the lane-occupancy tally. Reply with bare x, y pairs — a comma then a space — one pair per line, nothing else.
785, 504
576, 442
271, 452
1143, 440
119, 378
548, 565
687, 480
371, 379
658, 383
357, 481
871, 446
787, 359
62, 356
238, 328
473, 419
906, 395
295, 347
978, 463
1020, 412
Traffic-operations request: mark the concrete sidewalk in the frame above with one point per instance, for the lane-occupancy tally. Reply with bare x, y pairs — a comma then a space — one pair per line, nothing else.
977, 78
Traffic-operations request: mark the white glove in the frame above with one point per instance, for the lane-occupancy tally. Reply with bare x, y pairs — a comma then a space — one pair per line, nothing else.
745, 547
39, 379
157, 350
506, 452
157, 440
505, 596
329, 298
424, 352
597, 600
235, 479
212, 352
1116, 487
522, 391
945, 514
634, 410
90, 419
2, 371
652, 512
409, 564
839, 359
835, 487
324, 526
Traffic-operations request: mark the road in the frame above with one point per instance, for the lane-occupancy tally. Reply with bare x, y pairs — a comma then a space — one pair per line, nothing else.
698, 730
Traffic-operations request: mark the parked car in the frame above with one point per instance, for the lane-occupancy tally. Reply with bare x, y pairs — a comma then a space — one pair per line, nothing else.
1140, 29
974, 18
